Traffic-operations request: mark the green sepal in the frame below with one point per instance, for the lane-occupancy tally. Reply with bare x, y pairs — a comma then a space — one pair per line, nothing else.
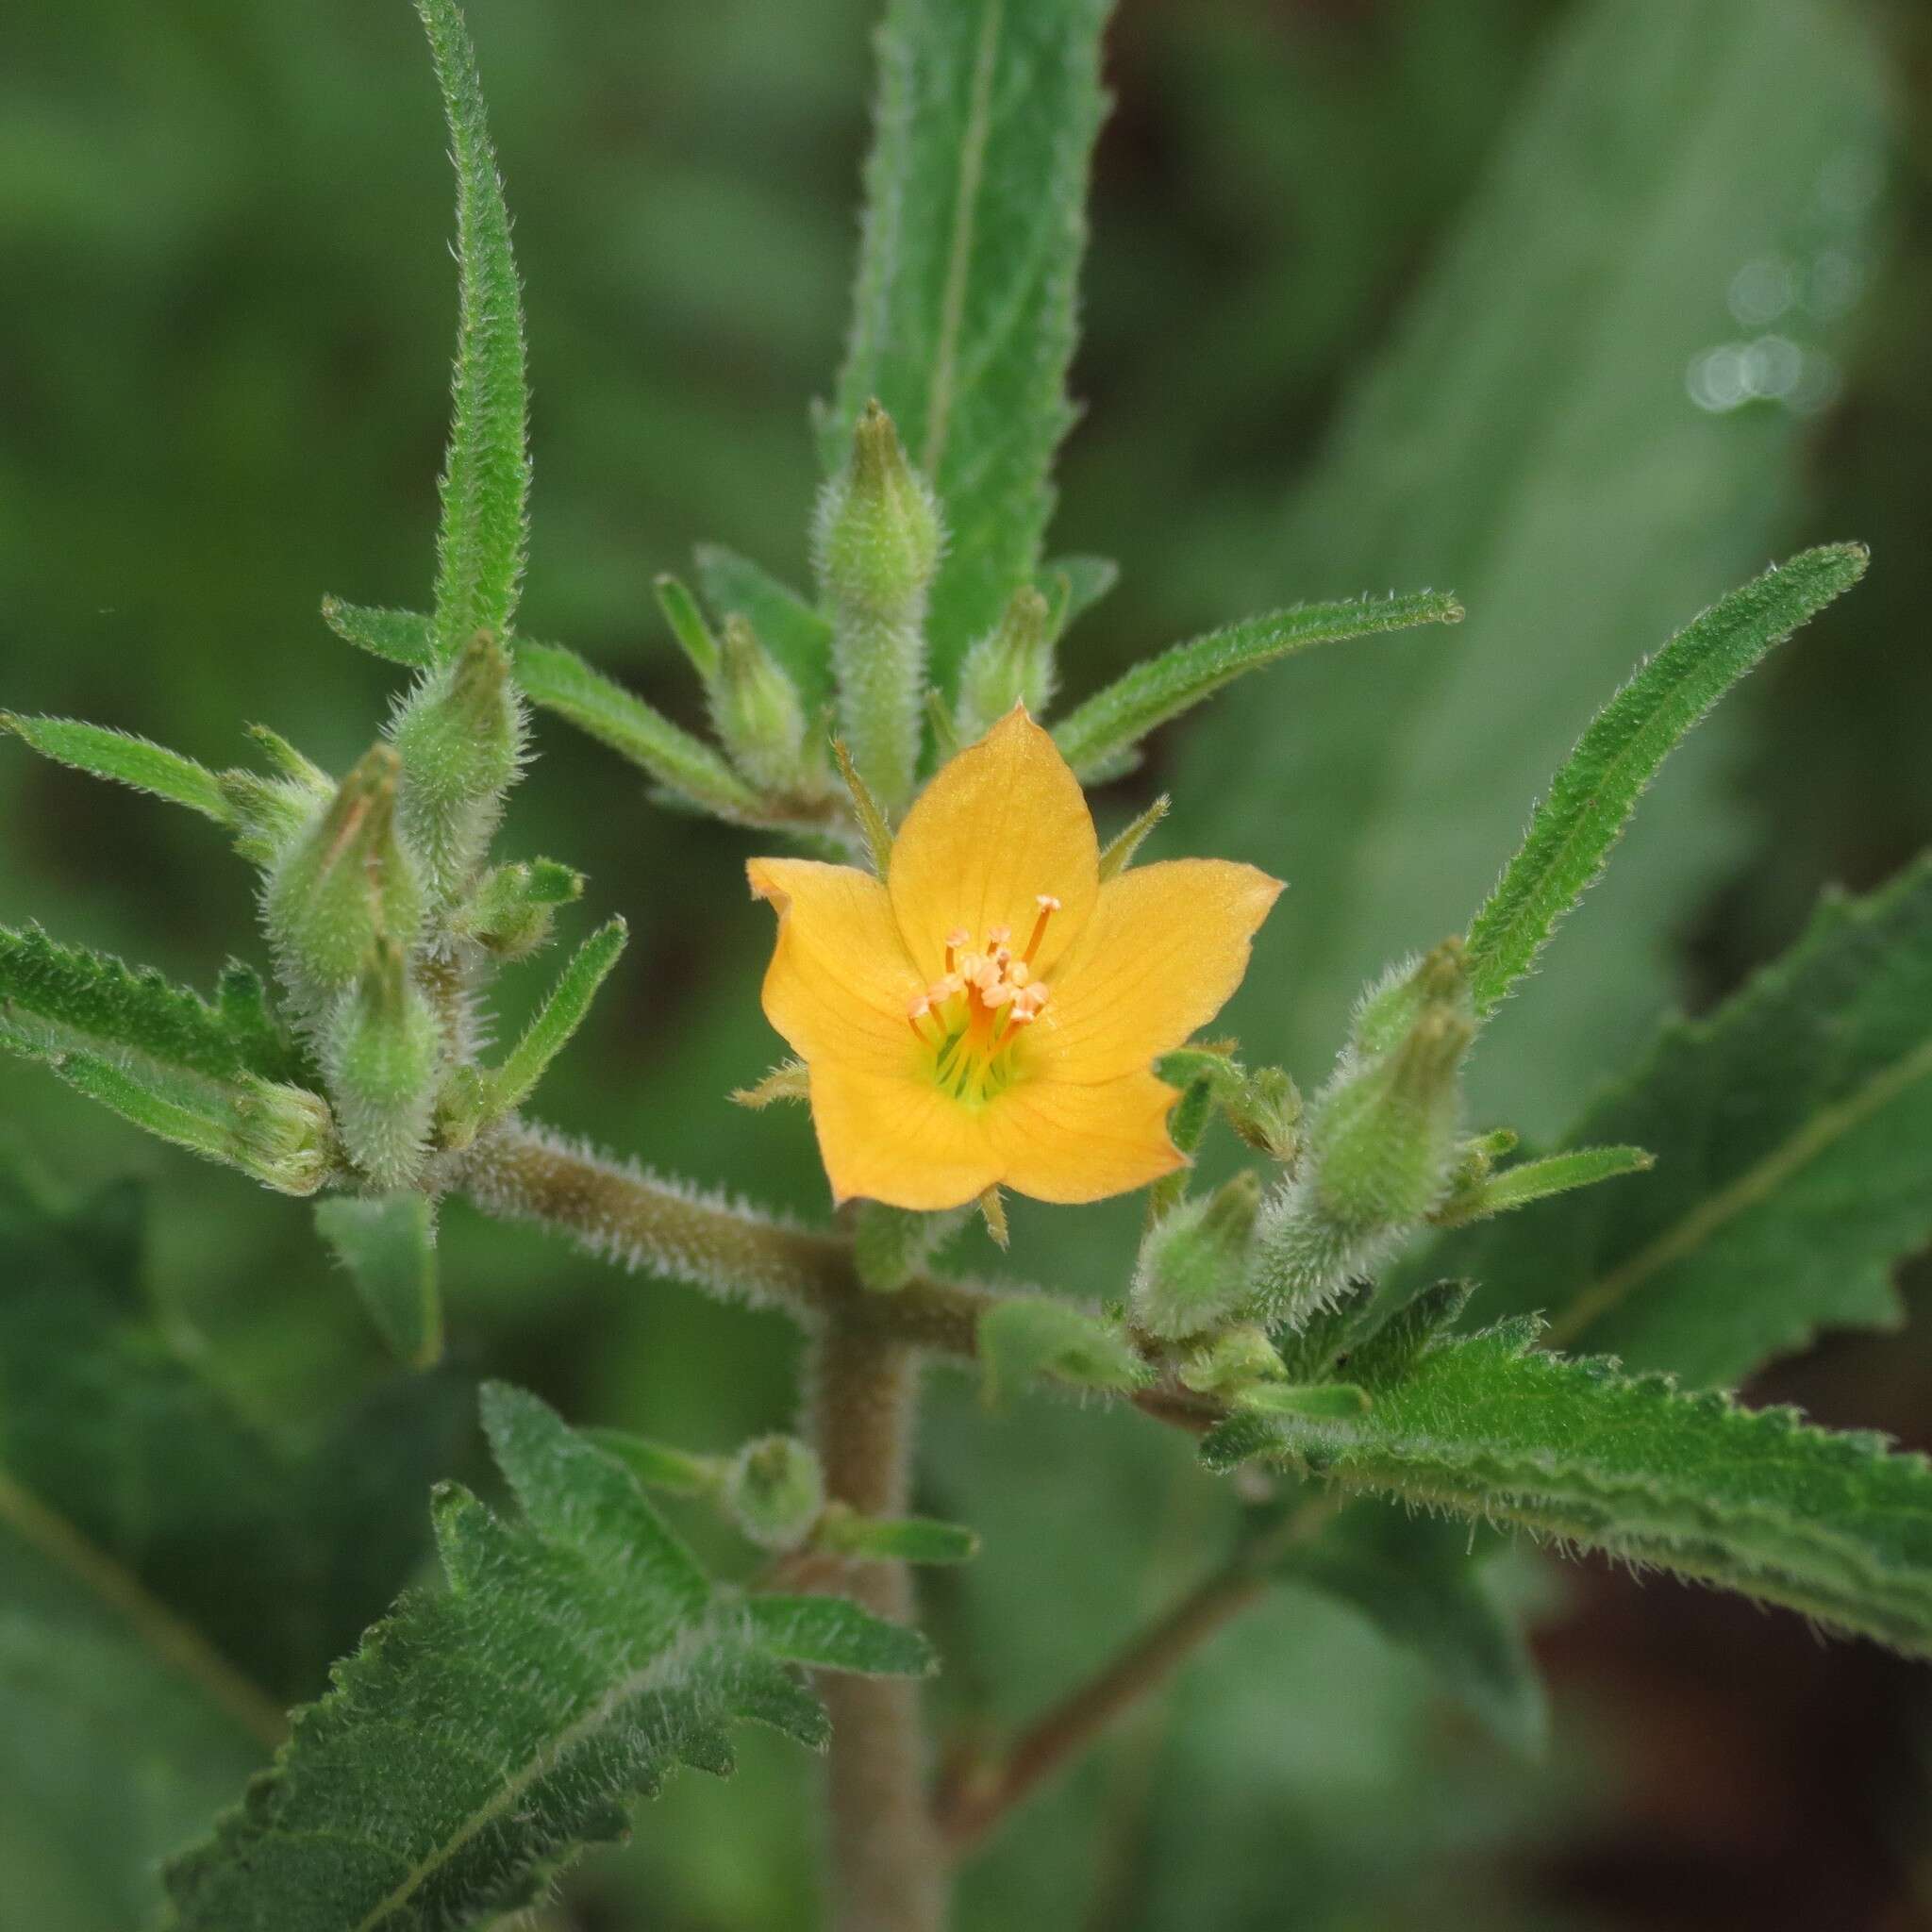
1110, 724
401, 637
1118, 853
388, 1244
123, 759
1593, 795
1025, 1338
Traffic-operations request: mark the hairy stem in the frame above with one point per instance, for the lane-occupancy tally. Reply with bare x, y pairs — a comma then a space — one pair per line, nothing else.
888, 1871
983, 1795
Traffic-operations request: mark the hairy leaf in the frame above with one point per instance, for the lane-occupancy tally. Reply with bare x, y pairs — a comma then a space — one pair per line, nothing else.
1792, 1131
557, 1019
963, 316
388, 1244
488, 1730
559, 680
1834, 1526
485, 481
1593, 794
1096, 737
404, 637
103, 753
54, 997
1023, 1337
1415, 1580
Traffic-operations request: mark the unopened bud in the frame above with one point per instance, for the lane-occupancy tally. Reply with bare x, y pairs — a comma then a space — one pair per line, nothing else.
878, 544
1233, 1361
1267, 1112
775, 1491
512, 909
1390, 1008
1193, 1271
460, 738
1011, 665
756, 711
346, 883
381, 1059
287, 1137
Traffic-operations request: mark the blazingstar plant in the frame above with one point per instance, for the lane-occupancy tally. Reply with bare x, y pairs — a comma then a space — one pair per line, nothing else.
981, 995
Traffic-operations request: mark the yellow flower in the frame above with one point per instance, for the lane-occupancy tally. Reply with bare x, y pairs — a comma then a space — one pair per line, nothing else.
991, 1012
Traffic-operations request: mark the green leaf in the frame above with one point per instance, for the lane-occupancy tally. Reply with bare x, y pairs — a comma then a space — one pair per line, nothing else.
118, 755
1097, 736
557, 1019
54, 998
1491, 1428
1792, 1130
792, 629
894, 1538
1072, 586
489, 1730
963, 316
657, 1465
1023, 1337
831, 1633
403, 637
1415, 1580
486, 482
1525, 435
1530, 1181
559, 680
1312, 1401
1593, 794
388, 1244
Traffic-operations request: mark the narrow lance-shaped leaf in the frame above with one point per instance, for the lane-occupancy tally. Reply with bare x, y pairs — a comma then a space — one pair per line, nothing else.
1530, 1181
403, 637
1097, 735
485, 481
1833, 1526
468, 1752
1792, 1130
560, 1015
559, 680
1593, 797
963, 317
103, 753
388, 1244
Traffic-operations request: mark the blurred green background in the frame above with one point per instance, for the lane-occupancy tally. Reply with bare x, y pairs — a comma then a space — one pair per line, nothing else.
1585, 311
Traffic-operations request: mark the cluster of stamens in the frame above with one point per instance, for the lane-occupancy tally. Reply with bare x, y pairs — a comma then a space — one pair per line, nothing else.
988, 996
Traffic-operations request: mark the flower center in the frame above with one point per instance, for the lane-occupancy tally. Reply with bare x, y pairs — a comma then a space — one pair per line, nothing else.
972, 1021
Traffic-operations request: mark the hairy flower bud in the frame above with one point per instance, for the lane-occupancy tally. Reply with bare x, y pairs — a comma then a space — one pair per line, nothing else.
1011, 665
756, 711
511, 910
1233, 1361
1193, 1271
459, 735
775, 1491
879, 540
286, 1138
381, 1057
343, 885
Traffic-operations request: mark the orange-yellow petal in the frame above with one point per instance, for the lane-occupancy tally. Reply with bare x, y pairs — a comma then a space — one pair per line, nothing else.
1166, 946
1062, 1142
899, 1139
1000, 824
840, 979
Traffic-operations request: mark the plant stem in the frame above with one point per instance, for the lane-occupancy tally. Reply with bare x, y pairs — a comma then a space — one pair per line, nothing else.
888, 1873
983, 1796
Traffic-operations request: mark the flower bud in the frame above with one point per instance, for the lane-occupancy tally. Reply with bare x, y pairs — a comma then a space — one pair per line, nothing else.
343, 885
512, 909
286, 1138
1267, 1111
878, 544
381, 1059
1390, 1008
460, 738
775, 1491
1232, 1360
1193, 1271
1011, 665
756, 711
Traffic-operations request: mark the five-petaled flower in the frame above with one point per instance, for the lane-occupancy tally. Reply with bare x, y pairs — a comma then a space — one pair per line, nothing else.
990, 1013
